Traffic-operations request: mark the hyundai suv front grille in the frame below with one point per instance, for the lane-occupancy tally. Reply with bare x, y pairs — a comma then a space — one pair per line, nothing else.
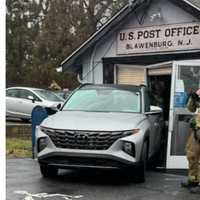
95, 140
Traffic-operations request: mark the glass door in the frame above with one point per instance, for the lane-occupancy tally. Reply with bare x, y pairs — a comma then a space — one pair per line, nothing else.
185, 78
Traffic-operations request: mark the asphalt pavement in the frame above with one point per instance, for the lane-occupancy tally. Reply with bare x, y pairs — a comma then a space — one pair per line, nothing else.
24, 182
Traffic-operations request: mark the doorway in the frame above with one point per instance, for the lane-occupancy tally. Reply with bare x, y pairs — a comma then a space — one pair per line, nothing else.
184, 77
159, 84
159, 89
170, 84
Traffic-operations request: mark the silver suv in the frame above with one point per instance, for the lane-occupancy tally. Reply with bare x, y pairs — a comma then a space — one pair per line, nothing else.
101, 126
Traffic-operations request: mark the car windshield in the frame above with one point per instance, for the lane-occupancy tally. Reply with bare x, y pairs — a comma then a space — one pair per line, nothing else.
48, 95
60, 94
104, 100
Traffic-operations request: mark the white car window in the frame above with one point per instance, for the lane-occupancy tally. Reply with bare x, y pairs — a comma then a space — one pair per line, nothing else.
25, 93
12, 93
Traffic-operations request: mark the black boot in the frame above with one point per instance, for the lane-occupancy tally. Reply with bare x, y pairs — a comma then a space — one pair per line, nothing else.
189, 184
195, 190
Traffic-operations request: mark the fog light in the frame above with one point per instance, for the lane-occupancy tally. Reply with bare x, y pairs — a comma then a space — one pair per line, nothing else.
42, 143
129, 148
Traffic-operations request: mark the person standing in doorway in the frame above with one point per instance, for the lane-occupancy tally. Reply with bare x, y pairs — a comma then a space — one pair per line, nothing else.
193, 145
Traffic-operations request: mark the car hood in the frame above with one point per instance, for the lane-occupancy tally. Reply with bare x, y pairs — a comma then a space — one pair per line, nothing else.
93, 121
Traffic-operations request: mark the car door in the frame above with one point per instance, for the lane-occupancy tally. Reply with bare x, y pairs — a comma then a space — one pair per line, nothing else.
13, 102
28, 104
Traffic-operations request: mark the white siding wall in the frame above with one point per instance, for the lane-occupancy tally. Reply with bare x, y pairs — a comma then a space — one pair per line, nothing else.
87, 76
107, 46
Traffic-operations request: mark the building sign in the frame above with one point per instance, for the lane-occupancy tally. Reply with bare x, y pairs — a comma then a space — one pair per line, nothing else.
159, 38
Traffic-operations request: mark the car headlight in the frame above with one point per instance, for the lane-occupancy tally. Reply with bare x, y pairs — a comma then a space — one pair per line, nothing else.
131, 132
136, 130
42, 143
129, 148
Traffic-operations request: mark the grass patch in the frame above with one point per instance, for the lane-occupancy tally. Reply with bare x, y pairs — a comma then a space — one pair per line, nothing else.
18, 148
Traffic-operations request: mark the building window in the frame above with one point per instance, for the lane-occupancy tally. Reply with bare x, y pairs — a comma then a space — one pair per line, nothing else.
108, 73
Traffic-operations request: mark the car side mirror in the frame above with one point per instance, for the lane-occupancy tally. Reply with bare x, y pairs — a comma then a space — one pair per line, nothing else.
31, 98
51, 110
59, 106
154, 110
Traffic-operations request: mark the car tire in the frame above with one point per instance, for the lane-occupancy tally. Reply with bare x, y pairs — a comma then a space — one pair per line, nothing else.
48, 171
154, 162
141, 169
158, 159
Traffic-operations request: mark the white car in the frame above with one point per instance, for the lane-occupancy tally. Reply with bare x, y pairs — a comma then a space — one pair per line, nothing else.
20, 101
102, 127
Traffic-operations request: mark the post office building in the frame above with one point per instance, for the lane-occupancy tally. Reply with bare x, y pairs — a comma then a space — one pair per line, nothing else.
151, 42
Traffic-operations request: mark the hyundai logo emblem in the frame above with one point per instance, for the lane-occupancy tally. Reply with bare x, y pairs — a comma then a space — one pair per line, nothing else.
81, 137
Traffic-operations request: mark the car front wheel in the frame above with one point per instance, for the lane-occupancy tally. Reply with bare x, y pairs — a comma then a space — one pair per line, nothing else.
48, 171
141, 169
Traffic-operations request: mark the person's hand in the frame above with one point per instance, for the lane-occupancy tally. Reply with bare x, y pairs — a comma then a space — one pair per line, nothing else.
198, 92
194, 96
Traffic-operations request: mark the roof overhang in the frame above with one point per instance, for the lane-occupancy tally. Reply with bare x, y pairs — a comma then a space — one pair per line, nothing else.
188, 6
70, 64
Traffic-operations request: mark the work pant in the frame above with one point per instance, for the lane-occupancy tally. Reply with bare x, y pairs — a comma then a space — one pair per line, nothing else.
193, 156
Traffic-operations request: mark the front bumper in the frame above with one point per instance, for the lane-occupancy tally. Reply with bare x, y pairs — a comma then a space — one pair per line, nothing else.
66, 162
112, 158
